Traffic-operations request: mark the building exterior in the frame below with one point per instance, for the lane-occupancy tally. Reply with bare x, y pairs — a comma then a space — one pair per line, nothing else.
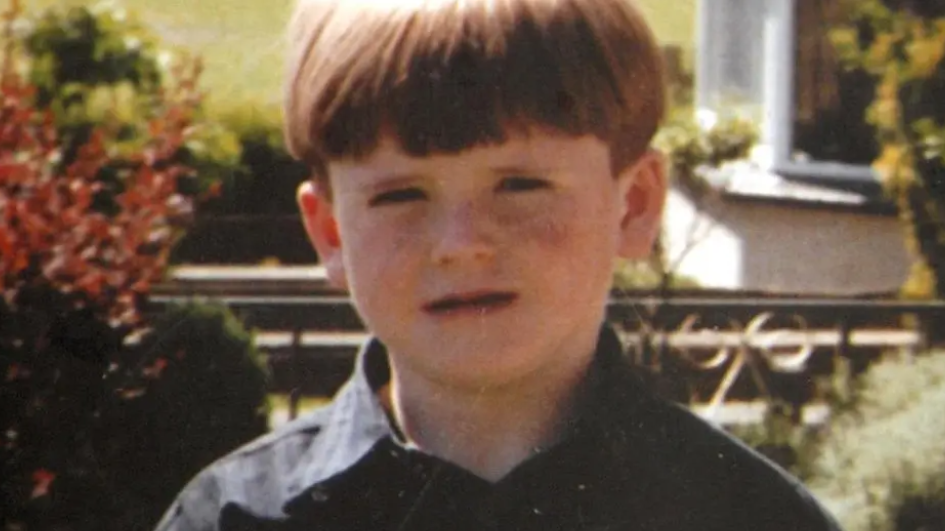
806, 214
764, 232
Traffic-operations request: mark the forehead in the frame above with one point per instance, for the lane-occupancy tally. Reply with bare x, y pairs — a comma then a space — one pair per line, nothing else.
535, 150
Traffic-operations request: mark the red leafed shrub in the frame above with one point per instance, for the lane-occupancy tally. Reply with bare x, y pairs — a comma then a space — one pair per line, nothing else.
50, 232
72, 276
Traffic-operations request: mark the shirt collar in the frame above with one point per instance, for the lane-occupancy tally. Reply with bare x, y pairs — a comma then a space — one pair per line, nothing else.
357, 420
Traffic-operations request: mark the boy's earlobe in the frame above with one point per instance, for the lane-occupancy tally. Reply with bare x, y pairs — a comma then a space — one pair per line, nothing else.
322, 229
642, 195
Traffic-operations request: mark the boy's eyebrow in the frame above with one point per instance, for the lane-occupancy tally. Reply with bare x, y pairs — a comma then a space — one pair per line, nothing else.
388, 179
512, 169
392, 179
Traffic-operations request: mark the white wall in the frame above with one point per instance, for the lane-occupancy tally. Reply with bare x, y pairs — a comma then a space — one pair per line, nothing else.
699, 246
789, 249
820, 251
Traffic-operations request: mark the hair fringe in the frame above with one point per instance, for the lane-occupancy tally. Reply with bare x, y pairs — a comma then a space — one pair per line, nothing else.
442, 76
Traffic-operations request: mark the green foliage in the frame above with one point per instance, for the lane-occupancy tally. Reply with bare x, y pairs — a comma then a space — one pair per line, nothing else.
195, 390
89, 67
783, 440
902, 45
265, 177
89, 47
97, 67
882, 461
691, 149
629, 276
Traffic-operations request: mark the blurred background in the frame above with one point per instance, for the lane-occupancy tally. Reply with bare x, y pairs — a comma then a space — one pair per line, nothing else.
161, 305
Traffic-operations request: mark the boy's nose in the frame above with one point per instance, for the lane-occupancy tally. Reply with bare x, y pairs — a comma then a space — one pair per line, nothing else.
462, 235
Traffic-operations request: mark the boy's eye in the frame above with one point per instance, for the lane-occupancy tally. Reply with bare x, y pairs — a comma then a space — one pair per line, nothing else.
522, 184
399, 195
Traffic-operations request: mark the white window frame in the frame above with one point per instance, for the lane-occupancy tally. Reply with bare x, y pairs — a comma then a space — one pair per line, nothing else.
774, 150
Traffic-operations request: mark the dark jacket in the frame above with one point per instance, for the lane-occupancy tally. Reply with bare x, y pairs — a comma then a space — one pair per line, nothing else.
632, 461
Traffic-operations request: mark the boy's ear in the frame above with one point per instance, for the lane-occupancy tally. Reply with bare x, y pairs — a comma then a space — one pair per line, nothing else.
642, 188
322, 229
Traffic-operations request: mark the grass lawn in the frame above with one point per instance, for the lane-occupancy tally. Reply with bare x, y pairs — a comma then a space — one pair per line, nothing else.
241, 40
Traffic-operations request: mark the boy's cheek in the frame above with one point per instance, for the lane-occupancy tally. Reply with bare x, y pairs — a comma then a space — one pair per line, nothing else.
553, 224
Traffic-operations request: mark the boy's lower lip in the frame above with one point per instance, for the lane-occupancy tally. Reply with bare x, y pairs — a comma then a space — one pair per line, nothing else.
479, 304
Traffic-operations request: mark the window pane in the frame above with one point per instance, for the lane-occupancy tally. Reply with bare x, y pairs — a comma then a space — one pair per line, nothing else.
732, 53
829, 102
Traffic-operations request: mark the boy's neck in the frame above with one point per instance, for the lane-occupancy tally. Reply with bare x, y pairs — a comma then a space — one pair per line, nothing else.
488, 431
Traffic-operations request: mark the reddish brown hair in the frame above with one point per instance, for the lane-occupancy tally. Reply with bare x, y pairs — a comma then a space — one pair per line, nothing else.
445, 75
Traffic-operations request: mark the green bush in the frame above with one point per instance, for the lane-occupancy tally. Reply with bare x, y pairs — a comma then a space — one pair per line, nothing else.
255, 199
87, 47
690, 148
266, 176
783, 440
99, 68
93, 67
197, 390
881, 462
901, 45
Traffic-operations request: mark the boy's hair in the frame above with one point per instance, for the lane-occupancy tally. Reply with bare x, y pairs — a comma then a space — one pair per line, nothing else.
441, 76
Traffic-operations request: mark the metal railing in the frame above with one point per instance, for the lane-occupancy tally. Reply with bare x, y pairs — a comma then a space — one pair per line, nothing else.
704, 350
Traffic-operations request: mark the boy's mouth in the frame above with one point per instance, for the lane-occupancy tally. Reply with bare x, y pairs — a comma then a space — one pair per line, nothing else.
480, 301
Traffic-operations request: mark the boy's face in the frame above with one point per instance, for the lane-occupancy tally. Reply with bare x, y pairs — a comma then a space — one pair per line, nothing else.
488, 266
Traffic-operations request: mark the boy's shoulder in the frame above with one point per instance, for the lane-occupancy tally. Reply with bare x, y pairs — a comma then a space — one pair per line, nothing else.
699, 468
264, 474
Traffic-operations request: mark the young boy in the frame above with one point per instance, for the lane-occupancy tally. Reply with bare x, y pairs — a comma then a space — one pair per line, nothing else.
478, 166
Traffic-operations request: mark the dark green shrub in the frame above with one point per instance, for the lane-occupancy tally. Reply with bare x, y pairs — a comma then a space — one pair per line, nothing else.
54, 349
198, 390
267, 177
783, 440
919, 507
256, 200
881, 463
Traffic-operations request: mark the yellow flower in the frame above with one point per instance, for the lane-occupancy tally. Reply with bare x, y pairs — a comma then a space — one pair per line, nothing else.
885, 112
925, 55
880, 52
893, 163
